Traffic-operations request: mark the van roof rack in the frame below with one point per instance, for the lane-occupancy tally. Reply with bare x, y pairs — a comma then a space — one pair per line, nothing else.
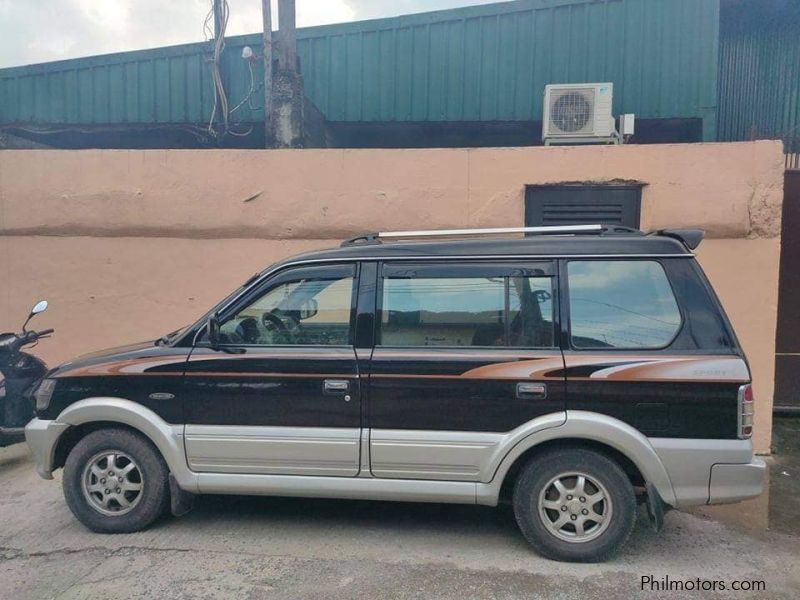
595, 229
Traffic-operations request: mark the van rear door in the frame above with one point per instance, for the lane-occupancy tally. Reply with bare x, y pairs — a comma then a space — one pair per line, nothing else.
465, 353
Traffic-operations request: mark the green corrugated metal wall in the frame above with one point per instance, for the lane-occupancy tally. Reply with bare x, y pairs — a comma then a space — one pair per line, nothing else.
163, 85
483, 63
170, 85
491, 63
760, 71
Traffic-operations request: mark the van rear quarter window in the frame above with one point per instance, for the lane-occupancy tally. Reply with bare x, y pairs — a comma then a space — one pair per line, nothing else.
621, 304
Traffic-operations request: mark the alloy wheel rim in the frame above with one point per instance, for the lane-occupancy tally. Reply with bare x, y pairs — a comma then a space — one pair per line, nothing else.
112, 483
575, 507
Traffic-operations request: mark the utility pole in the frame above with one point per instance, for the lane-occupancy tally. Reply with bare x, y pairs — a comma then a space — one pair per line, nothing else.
266, 13
217, 18
220, 114
287, 26
287, 86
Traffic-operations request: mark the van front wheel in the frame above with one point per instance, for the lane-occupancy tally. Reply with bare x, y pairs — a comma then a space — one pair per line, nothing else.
115, 481
575, 505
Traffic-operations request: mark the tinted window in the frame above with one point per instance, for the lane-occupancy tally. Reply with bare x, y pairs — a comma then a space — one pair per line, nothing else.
304, 312
440, 311
621, 304
443, 312
705, 324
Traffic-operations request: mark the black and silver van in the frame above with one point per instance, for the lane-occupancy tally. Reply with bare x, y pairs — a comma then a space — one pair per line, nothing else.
574, 372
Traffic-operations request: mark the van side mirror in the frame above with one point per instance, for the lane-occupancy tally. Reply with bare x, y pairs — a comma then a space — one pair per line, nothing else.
213, 332
309, 309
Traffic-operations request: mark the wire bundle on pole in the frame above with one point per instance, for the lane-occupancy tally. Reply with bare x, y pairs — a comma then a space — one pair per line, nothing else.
221, 102
220, 97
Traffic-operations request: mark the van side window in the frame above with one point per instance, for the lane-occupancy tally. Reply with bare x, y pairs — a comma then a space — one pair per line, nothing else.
306, 312
443, 312
492, 311
621, 304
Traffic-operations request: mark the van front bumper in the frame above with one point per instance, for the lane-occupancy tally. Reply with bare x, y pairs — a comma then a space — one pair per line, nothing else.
42, 437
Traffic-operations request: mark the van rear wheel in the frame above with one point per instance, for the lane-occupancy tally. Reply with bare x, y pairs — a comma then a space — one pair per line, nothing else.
115, 481
575, 505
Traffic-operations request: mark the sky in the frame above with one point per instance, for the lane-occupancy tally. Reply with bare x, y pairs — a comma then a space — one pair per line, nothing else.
33, 31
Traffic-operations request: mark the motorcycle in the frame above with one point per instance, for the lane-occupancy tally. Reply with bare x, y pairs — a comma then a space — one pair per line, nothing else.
20, 373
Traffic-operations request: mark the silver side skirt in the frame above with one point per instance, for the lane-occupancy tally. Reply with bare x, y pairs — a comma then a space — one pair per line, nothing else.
439, 455
402, 490
273, 450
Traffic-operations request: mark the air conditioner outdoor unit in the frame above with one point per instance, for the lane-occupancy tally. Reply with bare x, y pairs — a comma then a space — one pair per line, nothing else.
579, 113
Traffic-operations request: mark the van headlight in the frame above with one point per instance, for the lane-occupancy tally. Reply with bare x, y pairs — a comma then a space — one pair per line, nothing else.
43, 393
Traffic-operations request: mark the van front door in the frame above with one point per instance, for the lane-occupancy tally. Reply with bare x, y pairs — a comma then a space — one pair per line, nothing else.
281, 393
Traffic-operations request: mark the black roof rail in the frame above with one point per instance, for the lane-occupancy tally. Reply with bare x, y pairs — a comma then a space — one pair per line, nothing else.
593, 229
621, 229
369, 239
691, 238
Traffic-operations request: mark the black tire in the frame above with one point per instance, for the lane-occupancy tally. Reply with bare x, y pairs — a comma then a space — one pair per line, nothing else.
153, 498
534, 481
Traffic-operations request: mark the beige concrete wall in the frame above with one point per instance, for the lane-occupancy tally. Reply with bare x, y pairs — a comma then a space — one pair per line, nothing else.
731, 189
107, 292
130, 244
744, 273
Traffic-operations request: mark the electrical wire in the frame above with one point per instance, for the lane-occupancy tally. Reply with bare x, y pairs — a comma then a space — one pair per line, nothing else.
208, 32
221, 102
247, 100
200, 133
220, 97
245, 134
253, 89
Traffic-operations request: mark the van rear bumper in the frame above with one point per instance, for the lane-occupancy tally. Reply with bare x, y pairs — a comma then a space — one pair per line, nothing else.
710, 471
732, 483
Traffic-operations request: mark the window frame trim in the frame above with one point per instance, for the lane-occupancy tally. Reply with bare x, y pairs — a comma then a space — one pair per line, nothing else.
188, 337
566, 321
553, 275
284, 276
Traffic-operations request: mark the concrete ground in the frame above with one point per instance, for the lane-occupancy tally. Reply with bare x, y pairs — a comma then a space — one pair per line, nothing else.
235, 547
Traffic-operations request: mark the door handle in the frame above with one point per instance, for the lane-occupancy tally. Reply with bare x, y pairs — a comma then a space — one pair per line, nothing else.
531, 391
335, 387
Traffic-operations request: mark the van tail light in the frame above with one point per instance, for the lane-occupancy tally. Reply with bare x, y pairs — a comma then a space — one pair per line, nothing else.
746, 408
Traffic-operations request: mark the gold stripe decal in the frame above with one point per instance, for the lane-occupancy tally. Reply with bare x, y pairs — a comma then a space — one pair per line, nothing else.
130, 366
541, 368
243, 374
707, 369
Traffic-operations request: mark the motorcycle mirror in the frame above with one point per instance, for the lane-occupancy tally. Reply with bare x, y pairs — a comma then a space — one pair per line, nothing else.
40, 307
